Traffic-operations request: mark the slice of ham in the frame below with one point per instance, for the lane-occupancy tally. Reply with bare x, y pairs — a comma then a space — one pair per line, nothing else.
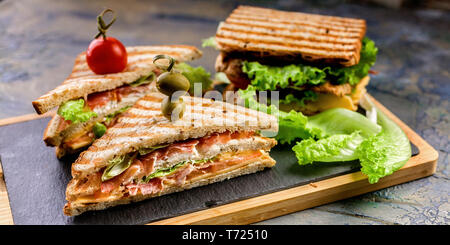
144, 165
178, 148
222, 163
99, 99
153, 186
135, 171
179, 177
182, 175
208, 141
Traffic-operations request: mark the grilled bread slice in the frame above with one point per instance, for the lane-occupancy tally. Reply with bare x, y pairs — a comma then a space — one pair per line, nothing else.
328, 97
210, 132
82, 81
265, 32
111, 91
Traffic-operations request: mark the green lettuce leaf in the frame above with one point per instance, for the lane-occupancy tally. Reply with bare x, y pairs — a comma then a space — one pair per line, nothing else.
76, 111
117, 166
294, 125
296, 76
291, 125
336, 148
354, 74
143, 80
145, 151
265, 77
307, 96
111, 116
386, 152
342, 121
340, 135
170, 170
164, 172
195, 75
209, 42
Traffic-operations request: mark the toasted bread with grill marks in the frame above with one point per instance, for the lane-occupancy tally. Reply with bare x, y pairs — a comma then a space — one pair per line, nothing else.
143, 125
83, 81
311, 37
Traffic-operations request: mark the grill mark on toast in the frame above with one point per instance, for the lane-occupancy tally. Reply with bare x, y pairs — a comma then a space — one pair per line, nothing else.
82, 82
287, 41
314, 26
288, 33
314, 37
258, 11
295, 28
132, 132
230, 44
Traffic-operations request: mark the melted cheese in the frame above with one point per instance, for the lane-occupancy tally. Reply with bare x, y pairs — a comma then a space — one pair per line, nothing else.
327, 101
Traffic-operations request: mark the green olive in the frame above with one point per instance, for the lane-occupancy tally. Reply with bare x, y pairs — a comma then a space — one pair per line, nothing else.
170, 82
170, 108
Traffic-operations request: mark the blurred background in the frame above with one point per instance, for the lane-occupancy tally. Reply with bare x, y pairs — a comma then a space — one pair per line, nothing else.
40, 39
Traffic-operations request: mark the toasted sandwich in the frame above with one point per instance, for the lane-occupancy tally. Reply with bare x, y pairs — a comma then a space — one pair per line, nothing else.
316, 62
88, 103
145, 155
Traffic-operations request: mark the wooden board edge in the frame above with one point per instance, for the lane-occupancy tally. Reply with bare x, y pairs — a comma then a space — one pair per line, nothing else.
5, 210
298, 198
286, 201
314, 194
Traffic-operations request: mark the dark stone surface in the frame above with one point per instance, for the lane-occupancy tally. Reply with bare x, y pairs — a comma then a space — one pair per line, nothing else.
39, 40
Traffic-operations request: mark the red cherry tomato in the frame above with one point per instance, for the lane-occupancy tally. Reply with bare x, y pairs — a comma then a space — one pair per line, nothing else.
106, 55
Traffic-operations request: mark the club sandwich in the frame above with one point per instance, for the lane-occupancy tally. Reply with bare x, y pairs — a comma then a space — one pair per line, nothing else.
145, 154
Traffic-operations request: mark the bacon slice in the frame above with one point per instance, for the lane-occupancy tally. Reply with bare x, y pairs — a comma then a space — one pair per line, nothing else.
178, 148
144, 165
223, 162
99, 99
153, 186
133, 172
180, 176
208, 141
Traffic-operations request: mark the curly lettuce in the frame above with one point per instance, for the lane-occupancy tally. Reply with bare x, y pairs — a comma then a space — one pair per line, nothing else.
382, 154
307, 96
291, 125
342, 121
379, 154
337, 135
265, 77
195, 75
296, 76
209, 42
336, 148
76, 111
354, 74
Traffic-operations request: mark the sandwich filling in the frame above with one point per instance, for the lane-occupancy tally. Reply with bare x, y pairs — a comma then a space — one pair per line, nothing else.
150, 171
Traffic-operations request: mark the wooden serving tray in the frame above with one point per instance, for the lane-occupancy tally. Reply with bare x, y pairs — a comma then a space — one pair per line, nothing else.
284, 201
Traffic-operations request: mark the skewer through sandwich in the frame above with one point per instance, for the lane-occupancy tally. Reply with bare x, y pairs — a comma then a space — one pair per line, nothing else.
89, 103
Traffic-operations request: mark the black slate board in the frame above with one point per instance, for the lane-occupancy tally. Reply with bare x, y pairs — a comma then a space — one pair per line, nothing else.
36, 183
